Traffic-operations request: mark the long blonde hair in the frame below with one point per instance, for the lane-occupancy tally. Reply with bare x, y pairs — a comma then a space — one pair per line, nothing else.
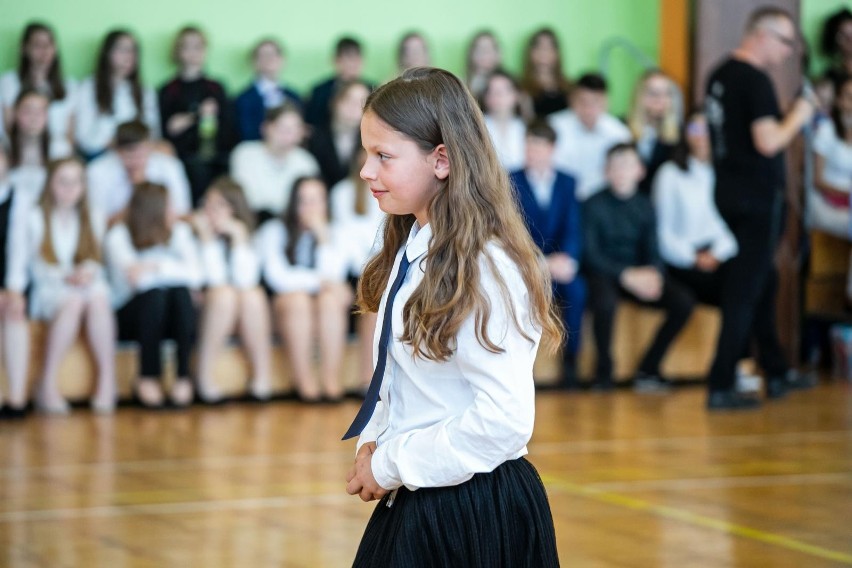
669, 131
475, 205
87, 244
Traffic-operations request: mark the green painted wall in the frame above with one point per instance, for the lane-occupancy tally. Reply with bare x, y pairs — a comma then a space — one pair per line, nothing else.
814, 14
309, 28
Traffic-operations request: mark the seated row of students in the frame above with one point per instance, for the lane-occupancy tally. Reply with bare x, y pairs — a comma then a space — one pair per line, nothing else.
148, 276
664, 252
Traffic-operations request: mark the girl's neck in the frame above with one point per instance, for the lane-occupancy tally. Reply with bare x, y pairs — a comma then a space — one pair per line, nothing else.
502, 116
278, 152
117, 78
38, 76
701, 156
65, 211
191, 72
31, 150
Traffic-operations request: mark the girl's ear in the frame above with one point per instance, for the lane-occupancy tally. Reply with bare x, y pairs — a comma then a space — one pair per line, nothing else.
442, 162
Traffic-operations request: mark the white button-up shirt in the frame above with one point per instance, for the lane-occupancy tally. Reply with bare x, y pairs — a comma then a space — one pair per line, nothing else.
439, 423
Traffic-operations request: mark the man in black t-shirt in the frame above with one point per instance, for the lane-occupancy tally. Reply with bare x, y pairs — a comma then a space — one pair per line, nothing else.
748, 134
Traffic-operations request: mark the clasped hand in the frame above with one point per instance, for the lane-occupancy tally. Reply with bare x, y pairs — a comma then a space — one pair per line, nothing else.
360, 480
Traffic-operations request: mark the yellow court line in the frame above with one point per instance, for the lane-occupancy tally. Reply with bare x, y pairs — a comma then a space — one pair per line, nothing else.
695, 519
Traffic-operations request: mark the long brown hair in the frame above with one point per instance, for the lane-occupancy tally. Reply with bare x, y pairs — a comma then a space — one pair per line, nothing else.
361, 187
146, 215
54, 74
474, 206
290, 217
529, 81
103, 74
15, 146
88, 247
233, 193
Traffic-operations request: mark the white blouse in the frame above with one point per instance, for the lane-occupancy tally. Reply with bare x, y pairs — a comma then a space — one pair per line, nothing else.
17, 259
238, 266
267, 180
283, 277
439, 423
510, 142
837, 155
59, 113
176, 263
95, 130
582, 152
363, 232
687, 217
49, 285
110, 188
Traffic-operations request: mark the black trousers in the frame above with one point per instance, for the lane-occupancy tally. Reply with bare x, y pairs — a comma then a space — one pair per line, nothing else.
604, 294
749, 285
158, 314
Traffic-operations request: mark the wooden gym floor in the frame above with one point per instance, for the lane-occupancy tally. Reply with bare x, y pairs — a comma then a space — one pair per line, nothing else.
634, 480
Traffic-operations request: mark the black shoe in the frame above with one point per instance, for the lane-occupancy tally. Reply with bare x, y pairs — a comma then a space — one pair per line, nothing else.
730, 400
797, 380
776, 388
569, 376
604, 384
650, 384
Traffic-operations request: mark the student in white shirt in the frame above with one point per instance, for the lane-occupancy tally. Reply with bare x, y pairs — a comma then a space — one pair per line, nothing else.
585, 133
135, 160
32, 145
13, 282
40, 69
501, 105
444, 448
360, 218
304, 263
233, 299
69, 284
114, 95
267, 169
694, 241
827, 204
153, 265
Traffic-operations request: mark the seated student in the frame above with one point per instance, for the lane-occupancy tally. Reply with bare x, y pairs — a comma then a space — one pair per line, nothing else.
233, 298
134, 160
483, 59
827, 208
265, 92
552, 215
153, 265
544, 83
13, 283
114, 95
334, 145
195, 113
501, 107
69, 286
585, 133
622, 259
40, 69
348, 65
694, 241
360, 218
654, 121
304, 263
32, 145
267, 169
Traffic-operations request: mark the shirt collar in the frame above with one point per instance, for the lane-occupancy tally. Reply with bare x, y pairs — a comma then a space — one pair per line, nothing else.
418, 241
264, 85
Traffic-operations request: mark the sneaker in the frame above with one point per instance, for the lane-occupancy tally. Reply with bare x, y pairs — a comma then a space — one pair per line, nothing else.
730, 400
651, 384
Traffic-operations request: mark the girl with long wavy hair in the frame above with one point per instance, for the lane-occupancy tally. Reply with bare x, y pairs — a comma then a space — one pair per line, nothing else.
458, 332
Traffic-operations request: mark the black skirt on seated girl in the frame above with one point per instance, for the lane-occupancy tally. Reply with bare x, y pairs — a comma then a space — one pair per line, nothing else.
496, 519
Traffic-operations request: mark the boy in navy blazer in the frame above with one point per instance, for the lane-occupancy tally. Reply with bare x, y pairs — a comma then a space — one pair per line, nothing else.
552, 215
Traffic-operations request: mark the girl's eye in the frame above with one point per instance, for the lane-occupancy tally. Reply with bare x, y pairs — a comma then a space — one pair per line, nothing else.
383, 157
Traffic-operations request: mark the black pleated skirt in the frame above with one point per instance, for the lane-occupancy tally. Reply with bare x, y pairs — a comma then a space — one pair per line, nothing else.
496, 519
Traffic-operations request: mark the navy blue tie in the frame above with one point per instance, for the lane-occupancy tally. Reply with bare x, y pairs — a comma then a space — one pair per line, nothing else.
372, 397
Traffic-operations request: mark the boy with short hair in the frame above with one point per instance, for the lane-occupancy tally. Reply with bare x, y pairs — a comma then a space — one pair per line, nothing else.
585, 132
552, 215
348, 65
622, 259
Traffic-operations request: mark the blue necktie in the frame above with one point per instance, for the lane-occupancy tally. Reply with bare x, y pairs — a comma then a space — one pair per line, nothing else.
372, 397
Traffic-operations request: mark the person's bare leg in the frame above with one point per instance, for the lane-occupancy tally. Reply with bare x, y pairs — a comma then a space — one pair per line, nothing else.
16, 354
333, 304
61, 335
100, 331
217, 324
295, 315
256, 337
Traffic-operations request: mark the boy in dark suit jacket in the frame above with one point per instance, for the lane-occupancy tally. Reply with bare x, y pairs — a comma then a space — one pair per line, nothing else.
552, 215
